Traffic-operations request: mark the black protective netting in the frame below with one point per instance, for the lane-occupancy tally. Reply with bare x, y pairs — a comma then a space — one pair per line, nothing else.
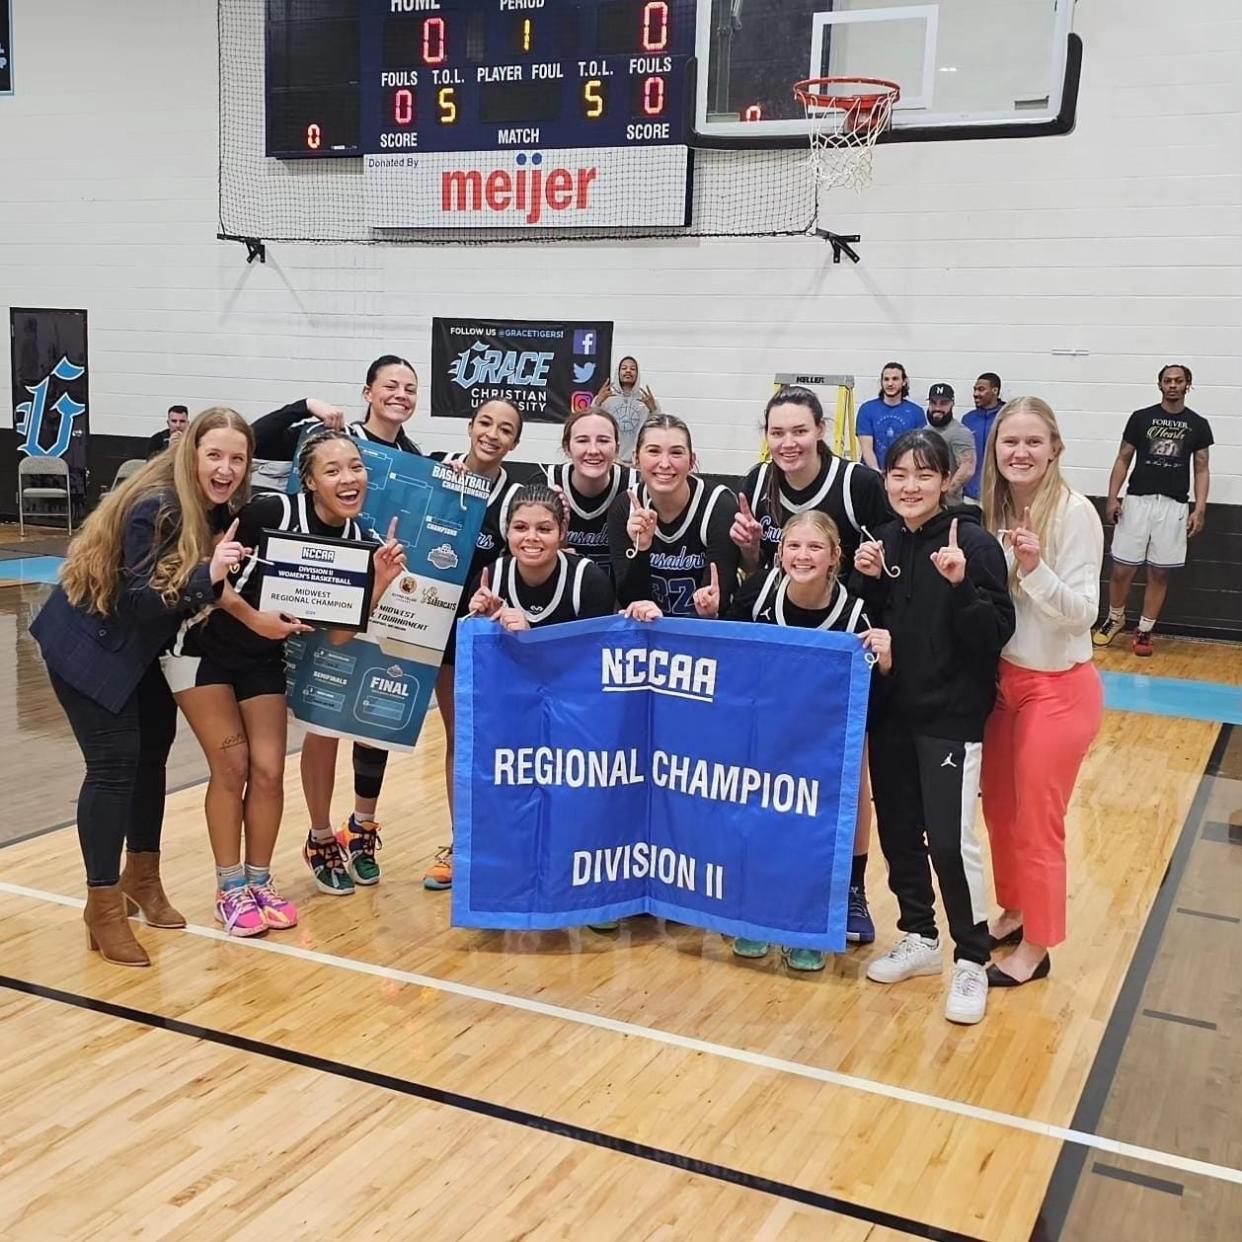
734, 193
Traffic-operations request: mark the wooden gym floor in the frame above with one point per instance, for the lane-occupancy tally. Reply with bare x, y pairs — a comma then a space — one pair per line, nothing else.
378, 1074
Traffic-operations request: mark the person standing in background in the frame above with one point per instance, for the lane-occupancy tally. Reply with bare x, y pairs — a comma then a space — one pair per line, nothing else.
630, 403
979, 423
882, 419
1156, 519
960, 441
178, 421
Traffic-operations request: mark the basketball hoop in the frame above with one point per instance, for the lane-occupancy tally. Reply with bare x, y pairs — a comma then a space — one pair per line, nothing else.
845, 117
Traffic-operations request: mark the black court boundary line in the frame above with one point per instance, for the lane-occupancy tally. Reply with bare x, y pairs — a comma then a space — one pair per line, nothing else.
1070, 1164
496, 1112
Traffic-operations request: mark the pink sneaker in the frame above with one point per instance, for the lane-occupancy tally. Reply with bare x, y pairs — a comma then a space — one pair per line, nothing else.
276, 911
237, 911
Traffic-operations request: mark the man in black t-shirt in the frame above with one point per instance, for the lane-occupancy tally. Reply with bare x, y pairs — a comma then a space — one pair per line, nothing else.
178, 421
1152, 526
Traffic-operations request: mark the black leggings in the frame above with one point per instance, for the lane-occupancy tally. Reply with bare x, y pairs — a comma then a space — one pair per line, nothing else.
122, 797
369, 765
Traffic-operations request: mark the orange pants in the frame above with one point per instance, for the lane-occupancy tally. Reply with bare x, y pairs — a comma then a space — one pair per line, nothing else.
1033, 746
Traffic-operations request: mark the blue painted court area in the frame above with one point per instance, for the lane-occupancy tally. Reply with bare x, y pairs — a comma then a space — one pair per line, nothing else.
31, 569
1168, 696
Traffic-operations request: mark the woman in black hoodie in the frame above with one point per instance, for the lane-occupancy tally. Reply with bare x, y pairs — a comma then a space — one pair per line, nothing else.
936, 580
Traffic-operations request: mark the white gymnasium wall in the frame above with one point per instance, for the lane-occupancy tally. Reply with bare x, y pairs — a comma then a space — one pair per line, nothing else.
1074, 266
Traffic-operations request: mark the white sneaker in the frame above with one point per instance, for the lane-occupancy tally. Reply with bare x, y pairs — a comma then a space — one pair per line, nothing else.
967, 1000
907, 959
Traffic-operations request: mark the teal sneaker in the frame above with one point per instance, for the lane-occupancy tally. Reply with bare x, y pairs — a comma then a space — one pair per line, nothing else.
360, 838
329, 866
750, 948
803, 959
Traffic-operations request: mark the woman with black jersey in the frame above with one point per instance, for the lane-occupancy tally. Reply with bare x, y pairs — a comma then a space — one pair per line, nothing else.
665, 535
156, 550
391, 396
227, 674
494, 433
536, 583
802, 591
937, 581
803, 473
591, 480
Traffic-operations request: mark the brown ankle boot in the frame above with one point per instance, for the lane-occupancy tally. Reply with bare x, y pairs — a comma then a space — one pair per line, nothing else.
140, 882
108, 930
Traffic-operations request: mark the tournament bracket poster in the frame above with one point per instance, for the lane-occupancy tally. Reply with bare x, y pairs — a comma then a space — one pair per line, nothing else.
376, 687
702, 771
545, 369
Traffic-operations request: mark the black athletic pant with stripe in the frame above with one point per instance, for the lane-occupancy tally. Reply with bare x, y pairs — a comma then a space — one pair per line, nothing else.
926, 792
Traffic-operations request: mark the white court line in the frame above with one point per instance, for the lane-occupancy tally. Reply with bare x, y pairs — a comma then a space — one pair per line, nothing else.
1168, 1160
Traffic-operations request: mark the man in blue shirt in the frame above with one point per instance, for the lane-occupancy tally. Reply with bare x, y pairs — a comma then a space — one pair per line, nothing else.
979, 422
882, 419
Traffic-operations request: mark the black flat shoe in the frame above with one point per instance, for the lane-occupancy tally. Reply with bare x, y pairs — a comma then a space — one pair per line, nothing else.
1014, 937
998, 979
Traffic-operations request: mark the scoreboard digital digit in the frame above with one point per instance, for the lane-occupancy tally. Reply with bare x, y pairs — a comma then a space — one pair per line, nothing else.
484, 113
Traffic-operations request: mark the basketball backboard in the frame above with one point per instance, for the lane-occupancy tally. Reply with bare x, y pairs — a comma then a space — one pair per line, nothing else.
966, 68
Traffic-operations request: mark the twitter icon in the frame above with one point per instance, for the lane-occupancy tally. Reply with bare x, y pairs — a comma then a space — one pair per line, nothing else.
583, 372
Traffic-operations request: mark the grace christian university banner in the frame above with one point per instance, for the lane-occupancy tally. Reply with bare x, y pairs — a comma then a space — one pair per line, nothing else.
545, 369
50, 389
376, 687
702, 771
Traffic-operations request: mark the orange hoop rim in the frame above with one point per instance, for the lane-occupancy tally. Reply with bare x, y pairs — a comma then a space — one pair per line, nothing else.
817, 93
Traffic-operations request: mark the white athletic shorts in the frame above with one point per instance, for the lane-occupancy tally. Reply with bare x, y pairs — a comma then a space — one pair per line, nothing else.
1151, 529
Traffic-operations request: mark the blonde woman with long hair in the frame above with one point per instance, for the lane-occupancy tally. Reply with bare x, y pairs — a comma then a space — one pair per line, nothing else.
155, 551
1051, 700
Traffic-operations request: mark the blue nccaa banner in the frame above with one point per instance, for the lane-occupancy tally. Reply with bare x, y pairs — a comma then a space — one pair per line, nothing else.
376, 688
702, 771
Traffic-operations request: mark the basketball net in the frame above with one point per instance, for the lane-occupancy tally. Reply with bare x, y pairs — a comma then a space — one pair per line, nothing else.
845, 118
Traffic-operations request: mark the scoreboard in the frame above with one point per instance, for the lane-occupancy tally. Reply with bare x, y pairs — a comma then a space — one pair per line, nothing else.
468, 113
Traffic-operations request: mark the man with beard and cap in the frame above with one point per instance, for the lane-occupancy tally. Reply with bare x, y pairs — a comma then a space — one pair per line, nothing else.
630, 403
959, 439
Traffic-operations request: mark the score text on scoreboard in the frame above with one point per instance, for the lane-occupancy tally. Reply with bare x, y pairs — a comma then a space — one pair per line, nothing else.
476, 75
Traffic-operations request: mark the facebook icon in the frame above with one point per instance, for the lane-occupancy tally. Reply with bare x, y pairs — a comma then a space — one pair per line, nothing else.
584, 342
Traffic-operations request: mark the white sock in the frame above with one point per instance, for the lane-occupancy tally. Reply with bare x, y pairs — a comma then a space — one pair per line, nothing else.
1116, 614
1146, 625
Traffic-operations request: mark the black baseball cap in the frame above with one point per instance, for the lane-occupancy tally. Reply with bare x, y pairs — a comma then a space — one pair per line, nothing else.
940, 392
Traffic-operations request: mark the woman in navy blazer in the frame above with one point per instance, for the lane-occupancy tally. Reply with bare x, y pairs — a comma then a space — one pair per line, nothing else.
148, 557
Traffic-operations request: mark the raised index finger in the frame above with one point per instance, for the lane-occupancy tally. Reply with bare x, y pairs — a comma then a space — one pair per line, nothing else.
634, 504
953, 533
743, 505
485, 583
1026, 518
231, 534
392, 529
715, 577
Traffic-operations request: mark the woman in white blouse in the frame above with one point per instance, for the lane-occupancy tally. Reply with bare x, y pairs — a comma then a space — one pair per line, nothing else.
1051, 700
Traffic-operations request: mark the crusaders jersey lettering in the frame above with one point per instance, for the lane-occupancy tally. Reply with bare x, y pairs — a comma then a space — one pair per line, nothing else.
588, 515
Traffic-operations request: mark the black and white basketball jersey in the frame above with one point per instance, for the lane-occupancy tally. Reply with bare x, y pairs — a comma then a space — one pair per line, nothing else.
576, 589
588, 515
849, 492
764, 597
223, 637
677, 563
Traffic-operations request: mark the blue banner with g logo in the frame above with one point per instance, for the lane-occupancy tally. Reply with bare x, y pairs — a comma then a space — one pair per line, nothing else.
702, 771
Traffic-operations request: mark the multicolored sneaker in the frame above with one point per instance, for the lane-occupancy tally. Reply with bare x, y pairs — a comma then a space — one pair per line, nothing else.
329, 866
859, 929
238, 913
440, 874
277, 912
1141, 644
803, 959
750, 948
1107, 630
360, 838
